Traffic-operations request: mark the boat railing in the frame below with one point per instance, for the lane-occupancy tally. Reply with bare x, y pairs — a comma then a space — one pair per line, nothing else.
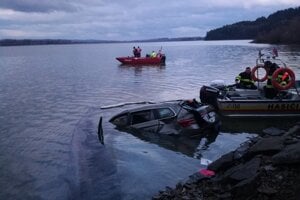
260, 61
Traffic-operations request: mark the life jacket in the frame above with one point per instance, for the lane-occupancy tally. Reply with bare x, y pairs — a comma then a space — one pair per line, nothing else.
282, 78
153, 54
245, 79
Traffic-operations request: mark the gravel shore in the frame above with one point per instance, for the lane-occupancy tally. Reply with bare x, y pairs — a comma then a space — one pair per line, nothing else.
266, 167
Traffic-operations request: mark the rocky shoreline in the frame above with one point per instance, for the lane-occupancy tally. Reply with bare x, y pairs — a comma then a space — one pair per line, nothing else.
265, 167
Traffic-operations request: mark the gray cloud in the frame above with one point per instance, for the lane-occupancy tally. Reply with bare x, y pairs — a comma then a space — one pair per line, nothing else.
38, 5
126, 20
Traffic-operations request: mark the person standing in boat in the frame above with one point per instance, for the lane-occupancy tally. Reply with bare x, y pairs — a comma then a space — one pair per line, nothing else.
135, 52
159, 54
139, 51
270, 91
244, 80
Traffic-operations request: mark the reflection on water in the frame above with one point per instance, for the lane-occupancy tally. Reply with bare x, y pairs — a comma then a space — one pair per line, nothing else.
138, 69
210, 145
189, 146
256, 125
163, 65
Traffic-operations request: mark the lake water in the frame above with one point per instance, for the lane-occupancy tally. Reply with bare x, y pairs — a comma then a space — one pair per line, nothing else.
50, 104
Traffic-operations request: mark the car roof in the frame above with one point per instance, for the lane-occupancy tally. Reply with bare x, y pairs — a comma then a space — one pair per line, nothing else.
174, 105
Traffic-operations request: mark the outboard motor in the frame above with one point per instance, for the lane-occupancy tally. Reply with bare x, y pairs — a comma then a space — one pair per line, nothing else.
219, 84
209, 94
163, 59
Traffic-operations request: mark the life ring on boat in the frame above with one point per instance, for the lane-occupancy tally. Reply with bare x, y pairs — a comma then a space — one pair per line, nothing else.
253, 74
286, 72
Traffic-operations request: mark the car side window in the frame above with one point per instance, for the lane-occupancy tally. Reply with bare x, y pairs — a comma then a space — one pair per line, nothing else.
165, 113
141, 116
121, 120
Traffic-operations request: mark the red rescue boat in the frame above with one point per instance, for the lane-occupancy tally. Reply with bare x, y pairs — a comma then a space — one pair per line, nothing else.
142, 60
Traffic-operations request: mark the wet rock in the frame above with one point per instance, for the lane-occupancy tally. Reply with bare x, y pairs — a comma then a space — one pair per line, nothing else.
265, 189
289, 155
245, 188
290, 140
156, 197
222, 163
294, 130
196, 177
273, 131
241, 151
265, 168
226, 195
269, 168
244, 171
267, 145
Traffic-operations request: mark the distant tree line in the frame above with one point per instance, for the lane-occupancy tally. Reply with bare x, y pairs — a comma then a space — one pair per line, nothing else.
281, 27
14, 42
169, 39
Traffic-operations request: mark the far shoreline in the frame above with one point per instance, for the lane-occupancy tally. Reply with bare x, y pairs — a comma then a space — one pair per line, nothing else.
30, 42
36, 42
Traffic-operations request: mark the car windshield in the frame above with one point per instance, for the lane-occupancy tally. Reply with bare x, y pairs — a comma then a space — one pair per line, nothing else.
121, 120
165, 113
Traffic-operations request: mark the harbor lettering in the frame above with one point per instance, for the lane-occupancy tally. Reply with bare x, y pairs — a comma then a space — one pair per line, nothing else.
233, 106
284, 106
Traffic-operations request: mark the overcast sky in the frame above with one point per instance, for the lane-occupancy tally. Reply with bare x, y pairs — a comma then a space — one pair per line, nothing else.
126, 19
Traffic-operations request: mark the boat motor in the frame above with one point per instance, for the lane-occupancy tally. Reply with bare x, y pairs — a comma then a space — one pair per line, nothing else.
219, 84
209, 94
163, 59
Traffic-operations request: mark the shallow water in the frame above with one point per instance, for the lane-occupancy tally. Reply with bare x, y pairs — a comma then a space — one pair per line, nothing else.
51, 98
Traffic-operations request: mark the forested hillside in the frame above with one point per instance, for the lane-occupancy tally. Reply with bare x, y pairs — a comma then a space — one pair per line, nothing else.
280, 27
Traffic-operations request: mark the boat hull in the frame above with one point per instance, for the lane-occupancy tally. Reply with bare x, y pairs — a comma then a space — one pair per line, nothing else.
255, 108
141, 60
251, 103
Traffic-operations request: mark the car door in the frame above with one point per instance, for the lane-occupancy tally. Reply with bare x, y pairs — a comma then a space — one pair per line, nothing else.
167, 120
144, 121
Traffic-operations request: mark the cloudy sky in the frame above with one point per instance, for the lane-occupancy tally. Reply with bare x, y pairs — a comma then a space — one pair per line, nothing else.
126, 19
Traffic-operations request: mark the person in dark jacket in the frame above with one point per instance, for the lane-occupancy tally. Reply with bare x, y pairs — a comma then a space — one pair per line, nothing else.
244, 80
270, 91
139, 52
135, 52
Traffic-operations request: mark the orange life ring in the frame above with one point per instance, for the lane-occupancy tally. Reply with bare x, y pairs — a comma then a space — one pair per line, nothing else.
291, 81
253, 74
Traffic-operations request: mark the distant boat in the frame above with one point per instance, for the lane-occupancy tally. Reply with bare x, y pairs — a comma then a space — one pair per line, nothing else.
142, 60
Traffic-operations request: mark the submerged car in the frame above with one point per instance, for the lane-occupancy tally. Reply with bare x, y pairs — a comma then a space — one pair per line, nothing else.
187, 117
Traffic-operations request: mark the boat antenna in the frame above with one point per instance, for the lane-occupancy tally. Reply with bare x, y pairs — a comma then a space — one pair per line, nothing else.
275, 53
160, 49
260, 54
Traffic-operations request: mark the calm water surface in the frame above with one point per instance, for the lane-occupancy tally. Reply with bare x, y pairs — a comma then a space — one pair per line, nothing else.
51, 98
